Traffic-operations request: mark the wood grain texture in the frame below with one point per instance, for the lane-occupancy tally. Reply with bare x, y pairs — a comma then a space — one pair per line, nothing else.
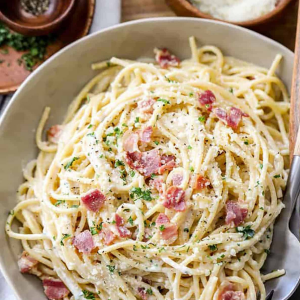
295, 96
297, 145
140, 9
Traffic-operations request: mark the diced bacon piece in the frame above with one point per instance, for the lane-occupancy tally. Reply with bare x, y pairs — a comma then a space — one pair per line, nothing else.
54, 133
55, 289
130, 141
93, 200
168, 163
145, 134
150, 162
235, 214
177, 179
84, 242
26, 262
133, 159
122, 229
200, 182
146, 106
168, 231
221, 114
233, 295
234, 117
228, 293
142, 293
175, 199
146, 163
166, 59
157, 183
107, 235
207, 98
162, 219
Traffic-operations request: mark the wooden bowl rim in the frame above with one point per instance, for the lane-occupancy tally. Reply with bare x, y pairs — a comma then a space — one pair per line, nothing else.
45, 26
196, 12
88, 24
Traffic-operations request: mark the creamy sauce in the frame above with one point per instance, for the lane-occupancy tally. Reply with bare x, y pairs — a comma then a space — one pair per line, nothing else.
235, 10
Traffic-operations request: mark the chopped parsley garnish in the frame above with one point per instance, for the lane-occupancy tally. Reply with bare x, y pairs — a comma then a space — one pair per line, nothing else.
138, 193
99, 227
88, 295
130, 221
137, 119
153, 176
202, 119
69, 164
267, 251
192, 169
276, 176
261, 166
111, 268
125, 125
119, 163
65, 236
74, 206
191, 94
231, 90
90, 126
186, 230
118, 132
134, 248
93, 230
190, 147
162, 227
169, 80
246, 231
246, 142
156, 142
213, 247
163, 100
149, 291
34, 47
91, 134
58, 202
132, 173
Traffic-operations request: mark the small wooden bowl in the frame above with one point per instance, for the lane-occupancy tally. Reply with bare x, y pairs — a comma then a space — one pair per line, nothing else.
16, 18
185, 8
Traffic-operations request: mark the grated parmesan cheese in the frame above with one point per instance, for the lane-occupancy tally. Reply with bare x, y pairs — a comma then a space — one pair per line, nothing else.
235, 10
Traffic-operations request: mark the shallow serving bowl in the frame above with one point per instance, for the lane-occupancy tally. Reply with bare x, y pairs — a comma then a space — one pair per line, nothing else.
60, 79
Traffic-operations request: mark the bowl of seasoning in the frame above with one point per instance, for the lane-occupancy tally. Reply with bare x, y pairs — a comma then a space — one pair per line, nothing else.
35, 17
246, 13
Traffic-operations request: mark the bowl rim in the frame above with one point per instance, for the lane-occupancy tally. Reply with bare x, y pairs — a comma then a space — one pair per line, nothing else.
45, 26
36, 72
260, 20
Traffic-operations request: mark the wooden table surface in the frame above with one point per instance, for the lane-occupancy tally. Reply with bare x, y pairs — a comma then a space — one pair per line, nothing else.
282, 30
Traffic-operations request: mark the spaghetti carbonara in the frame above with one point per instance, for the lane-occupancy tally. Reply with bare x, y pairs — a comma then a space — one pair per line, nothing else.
163, 182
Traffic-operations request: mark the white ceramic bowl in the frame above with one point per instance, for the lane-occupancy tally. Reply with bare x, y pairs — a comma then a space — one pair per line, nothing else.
58, 80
